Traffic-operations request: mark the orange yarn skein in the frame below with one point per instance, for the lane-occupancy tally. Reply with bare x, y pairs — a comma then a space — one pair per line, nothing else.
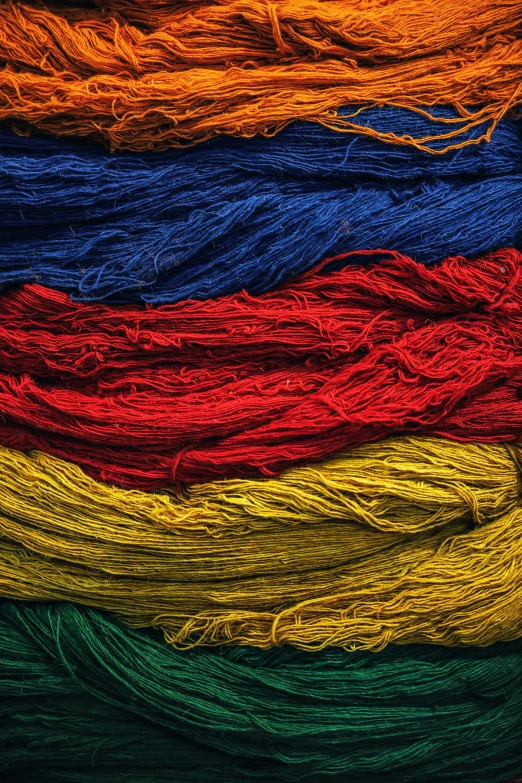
249, 68
224, 34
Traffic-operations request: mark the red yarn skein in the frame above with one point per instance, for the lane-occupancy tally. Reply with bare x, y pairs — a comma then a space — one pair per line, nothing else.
144, 396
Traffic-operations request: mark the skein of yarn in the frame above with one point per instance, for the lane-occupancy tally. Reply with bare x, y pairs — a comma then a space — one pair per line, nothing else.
371, 548
409, 711
136, 100
242, 385
84, 42
246, 214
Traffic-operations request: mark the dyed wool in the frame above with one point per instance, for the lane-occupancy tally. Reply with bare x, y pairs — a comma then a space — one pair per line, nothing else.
85, 74
134, 707
85, 42
75, 738
250, 214
413, 541
242, 385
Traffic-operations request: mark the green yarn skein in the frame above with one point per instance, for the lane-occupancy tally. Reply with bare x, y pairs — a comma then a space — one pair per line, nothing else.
84, 699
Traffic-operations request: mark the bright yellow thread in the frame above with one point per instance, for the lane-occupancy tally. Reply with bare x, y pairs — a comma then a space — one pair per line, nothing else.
402, 541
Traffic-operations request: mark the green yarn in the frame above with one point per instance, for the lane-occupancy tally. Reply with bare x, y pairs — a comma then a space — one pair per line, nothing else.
77, 737
83, 698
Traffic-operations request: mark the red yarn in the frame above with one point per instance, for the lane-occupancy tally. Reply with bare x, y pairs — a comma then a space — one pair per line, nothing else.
145, 396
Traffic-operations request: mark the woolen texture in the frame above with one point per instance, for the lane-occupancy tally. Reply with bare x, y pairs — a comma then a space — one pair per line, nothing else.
132, 706
225, 33
407, 541
242, 385
93, 76
236, 214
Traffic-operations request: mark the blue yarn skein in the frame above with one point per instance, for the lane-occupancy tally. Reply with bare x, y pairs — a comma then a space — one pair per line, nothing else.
251, 214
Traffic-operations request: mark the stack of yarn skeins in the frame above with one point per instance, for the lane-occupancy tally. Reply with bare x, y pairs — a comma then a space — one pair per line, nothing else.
260, 391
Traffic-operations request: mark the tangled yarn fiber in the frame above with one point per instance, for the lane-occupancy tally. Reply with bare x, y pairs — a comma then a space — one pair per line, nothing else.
238, 714
150, 397
84, 42
250, 68
251, 214
405, 541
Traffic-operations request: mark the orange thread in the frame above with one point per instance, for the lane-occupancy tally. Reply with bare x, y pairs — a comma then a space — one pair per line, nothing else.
226, 33
198, 70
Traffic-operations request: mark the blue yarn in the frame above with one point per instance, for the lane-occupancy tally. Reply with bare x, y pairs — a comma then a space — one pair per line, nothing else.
235, 214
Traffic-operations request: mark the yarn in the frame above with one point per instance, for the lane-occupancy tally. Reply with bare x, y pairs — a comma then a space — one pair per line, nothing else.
405, 542
149, 397
395, 542
475, 62
277, 715
376, 485
75, 738
161, 110
223, 34
476, 66
236, 214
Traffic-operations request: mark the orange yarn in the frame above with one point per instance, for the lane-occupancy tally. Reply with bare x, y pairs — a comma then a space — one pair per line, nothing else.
252, 67
378, 20
87, 43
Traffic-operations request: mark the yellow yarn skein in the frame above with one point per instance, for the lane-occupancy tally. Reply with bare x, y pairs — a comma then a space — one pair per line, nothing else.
407, 540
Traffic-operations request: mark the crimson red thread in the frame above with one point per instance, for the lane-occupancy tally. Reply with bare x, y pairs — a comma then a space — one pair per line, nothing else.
240, 385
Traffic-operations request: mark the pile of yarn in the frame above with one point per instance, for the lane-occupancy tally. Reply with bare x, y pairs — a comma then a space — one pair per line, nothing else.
260, 391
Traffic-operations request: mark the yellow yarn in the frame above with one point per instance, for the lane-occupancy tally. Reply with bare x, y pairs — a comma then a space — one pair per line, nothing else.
408, 540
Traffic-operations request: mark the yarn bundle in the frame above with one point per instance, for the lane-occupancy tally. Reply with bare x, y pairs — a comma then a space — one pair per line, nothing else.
260, 391
126, 80
247, 213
